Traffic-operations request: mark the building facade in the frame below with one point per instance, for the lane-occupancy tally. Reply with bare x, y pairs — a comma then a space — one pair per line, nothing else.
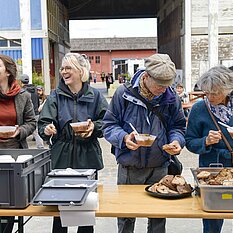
115, 55
49, 36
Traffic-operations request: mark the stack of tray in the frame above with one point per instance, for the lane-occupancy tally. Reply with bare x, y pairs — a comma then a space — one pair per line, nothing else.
66, 189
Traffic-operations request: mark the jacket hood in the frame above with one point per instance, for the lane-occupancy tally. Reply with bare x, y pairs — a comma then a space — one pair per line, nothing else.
168, 97
30, 88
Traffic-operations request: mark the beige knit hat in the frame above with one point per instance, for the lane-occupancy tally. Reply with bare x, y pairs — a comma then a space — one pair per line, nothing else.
161, 69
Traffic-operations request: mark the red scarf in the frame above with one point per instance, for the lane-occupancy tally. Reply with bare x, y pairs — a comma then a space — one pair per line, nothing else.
13, 90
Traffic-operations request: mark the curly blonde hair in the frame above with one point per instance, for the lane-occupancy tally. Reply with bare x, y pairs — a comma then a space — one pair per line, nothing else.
80, 62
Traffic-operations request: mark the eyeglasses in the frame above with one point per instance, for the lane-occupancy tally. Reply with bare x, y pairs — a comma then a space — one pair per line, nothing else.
66, 69
213, 94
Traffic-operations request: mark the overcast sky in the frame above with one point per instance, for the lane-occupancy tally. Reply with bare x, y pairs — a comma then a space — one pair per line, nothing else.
113, 28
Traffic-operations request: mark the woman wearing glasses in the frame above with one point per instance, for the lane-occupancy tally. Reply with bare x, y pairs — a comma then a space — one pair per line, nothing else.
73, 101
202, 136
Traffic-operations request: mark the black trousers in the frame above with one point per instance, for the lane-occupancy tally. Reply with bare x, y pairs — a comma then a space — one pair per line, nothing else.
57, 227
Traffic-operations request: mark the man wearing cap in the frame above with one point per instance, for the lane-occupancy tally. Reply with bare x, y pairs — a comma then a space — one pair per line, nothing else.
24, 79
152, 107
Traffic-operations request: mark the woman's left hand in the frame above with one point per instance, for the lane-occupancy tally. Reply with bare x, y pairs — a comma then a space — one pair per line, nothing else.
89, 131
16, 132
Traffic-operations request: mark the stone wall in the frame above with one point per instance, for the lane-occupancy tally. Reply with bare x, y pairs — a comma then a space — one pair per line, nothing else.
200, 54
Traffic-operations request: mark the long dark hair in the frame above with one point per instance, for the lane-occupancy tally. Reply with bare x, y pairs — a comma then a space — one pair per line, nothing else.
11, 68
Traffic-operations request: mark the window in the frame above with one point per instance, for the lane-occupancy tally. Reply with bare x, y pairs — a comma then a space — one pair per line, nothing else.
91, 58
15, 43
97, 59
3, 43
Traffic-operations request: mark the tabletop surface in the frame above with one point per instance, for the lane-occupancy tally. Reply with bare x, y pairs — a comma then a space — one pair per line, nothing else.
130, 201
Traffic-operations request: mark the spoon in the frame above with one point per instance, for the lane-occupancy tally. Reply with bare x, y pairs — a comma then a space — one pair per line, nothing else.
133, 129
225, 125
50, 139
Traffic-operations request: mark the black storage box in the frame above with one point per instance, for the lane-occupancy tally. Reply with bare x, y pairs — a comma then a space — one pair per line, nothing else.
21, 180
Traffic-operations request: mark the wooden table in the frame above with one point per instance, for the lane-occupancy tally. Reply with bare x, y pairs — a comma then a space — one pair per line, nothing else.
130, 201
187, 105
195, 95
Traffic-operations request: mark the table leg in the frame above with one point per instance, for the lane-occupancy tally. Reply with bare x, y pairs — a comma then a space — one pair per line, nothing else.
20, 224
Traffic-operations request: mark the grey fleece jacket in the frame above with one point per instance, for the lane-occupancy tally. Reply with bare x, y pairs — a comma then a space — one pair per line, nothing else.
25, 116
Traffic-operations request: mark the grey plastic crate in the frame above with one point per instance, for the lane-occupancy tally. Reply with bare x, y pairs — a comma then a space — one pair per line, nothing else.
21, 180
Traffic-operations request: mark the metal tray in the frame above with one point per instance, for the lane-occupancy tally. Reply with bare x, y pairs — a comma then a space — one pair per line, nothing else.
64, 192
214, 198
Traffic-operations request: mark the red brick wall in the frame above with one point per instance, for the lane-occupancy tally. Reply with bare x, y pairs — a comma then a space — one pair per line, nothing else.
106, 58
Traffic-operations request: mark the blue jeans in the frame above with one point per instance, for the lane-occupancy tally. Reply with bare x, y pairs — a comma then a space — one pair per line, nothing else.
130, 175
212, 225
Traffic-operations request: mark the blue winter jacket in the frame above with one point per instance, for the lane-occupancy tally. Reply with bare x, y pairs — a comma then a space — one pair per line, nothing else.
199, 125
126, 108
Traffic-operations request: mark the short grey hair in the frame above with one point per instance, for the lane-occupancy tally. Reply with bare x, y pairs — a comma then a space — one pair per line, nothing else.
80, 62
218, 78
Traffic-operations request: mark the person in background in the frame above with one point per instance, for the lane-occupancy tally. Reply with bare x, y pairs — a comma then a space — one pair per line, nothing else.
42, 97
73, 101
143, 165
184, 97
24, 79
16, 109
95, 77
102, 76
202, 136
109, 80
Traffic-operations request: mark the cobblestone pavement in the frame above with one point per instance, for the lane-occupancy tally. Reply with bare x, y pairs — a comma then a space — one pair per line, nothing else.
108, 176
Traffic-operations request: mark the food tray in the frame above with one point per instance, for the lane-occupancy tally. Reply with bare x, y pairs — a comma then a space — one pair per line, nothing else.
214, 198
64, 192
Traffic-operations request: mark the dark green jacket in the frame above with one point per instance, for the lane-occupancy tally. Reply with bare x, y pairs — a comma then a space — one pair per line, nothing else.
63, 107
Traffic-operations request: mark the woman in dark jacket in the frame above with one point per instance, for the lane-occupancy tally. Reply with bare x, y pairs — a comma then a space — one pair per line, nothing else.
16, 109
202, 136
73, 101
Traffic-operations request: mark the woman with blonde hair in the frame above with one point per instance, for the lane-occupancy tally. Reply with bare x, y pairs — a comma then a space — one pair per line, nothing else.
73, 101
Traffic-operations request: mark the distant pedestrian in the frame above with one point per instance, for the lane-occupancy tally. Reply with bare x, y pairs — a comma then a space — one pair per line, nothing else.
109, 80
95, 77
30, 88
102, 76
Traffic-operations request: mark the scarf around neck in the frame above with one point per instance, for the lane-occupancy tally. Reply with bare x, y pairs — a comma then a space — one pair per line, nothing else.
12, 92
222, 112
144, 91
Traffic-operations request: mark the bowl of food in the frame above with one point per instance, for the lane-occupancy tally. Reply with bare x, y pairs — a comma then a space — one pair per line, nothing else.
145, 139
80, 127
7, 131
230, 131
